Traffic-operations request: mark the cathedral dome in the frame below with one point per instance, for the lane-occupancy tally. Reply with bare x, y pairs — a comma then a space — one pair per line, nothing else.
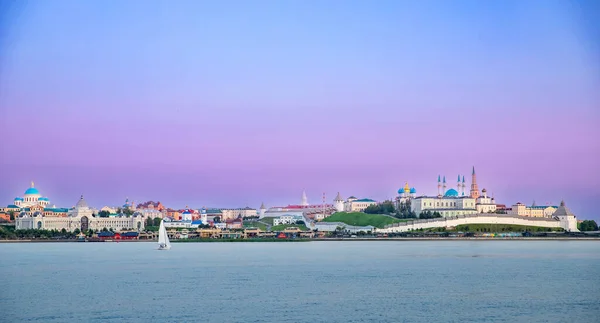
400, 191
81, 203
451, 193
32, 191
413, 190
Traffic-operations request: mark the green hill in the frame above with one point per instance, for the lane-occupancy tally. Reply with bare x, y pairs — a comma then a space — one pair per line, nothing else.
361, 219
255, 224
268, 220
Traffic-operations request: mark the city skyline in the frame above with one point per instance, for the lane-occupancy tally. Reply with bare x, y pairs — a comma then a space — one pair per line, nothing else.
237, 104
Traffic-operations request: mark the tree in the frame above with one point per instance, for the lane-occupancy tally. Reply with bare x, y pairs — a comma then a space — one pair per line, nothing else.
103, 214
427, 214
77, 231
385, 207
156, 222
405, 211
128, 211
12, 215
587, 225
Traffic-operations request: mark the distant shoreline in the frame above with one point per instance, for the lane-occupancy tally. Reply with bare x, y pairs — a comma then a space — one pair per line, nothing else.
330, 239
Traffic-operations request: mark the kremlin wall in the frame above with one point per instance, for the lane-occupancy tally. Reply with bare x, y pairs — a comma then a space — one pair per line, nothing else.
452, 207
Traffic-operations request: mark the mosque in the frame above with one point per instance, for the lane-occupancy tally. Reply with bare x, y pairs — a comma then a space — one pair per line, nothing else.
449, 201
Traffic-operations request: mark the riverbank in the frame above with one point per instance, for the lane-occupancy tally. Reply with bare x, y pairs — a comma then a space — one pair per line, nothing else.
329, 239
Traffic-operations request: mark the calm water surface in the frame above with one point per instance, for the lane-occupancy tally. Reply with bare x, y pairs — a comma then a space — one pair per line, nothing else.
437, 281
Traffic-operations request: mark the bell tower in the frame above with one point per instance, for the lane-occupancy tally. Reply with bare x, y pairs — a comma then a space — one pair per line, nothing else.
474, 189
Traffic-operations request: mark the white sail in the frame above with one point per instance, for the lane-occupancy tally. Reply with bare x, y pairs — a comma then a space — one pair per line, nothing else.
163, 238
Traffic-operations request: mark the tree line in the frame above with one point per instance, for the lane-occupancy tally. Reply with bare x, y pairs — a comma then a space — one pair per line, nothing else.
587, 225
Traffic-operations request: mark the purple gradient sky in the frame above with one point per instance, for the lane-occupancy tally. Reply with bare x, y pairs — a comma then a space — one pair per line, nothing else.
232, 103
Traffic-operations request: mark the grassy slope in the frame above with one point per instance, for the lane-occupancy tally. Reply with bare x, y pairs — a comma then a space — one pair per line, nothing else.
254, 224
361, 219
268, 220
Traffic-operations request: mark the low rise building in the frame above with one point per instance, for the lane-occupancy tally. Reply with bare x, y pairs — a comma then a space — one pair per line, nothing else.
288, 219
354, 204
537, 211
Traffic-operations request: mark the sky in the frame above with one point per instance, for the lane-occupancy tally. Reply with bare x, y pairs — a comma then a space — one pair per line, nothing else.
234, 103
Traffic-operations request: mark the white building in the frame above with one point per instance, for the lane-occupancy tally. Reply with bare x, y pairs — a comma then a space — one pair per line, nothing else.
80, 217
32, 197
288, 219
234, 213
485, 204
353, 204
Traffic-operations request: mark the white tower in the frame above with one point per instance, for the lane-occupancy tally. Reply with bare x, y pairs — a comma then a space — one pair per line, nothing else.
568, 220
304, 199
203, 216
338, 203
261, 211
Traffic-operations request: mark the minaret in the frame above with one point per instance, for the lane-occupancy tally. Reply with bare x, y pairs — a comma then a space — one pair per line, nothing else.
458, 185
463, 186
439, 185
304, 199
444, 186
474, 189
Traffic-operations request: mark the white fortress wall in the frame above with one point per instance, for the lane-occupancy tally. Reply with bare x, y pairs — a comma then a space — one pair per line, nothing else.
471, 219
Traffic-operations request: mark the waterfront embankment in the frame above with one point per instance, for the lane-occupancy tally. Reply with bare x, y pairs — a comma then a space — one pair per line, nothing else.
329, 239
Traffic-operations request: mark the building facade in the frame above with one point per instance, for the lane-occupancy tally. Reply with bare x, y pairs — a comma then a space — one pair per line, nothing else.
81, 217
354, 204
537, 211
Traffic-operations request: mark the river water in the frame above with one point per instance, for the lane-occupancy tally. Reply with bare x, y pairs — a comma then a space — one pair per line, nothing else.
374, 281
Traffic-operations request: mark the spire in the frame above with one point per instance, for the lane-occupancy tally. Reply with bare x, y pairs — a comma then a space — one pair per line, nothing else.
463, 179
31, 184
338, 198
304, 198
474, 189
262, 206
439, 180
458, 180
444, 179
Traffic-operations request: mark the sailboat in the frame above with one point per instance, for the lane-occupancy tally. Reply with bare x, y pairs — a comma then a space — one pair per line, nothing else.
163, 238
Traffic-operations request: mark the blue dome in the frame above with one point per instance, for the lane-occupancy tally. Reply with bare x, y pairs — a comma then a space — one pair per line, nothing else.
413, 190
18, 199
451, 192
43, 199
401, 191
32, 191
